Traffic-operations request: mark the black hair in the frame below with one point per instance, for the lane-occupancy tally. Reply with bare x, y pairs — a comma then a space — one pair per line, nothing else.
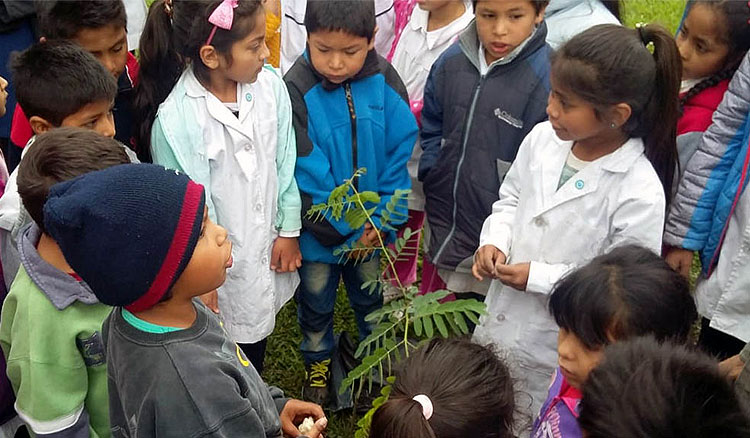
609, 64
614, 7
55, 79
644, 388
65, 18
355, 17
59, 155
736, 22
627, 292
169, 43
469, 386
538, 4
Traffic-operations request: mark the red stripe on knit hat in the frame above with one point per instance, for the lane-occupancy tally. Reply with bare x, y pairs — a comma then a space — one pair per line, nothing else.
164, 279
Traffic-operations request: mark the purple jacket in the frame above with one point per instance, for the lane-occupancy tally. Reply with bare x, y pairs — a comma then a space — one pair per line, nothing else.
559, 415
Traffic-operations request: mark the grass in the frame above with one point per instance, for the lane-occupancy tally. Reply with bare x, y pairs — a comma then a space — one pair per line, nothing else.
284, 366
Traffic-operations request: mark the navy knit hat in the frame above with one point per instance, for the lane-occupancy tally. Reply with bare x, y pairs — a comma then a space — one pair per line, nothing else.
128, 231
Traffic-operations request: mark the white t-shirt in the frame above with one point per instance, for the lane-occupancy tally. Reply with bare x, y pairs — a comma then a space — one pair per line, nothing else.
418, 48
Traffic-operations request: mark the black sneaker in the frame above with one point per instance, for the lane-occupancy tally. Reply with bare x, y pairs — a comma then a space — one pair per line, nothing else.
317, 382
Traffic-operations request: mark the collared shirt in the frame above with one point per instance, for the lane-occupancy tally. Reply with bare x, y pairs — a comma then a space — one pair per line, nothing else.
418, 48
484, 68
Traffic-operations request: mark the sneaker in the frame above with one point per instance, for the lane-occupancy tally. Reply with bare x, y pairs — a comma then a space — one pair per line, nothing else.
317, 382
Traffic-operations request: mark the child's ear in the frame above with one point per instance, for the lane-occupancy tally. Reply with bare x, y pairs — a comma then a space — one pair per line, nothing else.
209, 57
540, 15
620, 114
39, 125
371, 44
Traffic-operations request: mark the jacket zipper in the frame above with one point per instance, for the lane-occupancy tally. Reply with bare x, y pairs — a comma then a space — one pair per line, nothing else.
353, 121
464, 141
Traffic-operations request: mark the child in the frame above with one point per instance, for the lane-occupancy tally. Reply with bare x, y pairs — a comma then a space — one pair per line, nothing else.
228, 123
84, 94
51, 322
448, 388
294, 34
625, 293
713, 38
710, 215
483, 95
592, 178
99, 27
434, 25
647, 389
350, 111
567, 18
141, 237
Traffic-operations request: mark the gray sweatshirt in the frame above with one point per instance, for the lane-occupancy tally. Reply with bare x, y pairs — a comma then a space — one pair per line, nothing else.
188, 383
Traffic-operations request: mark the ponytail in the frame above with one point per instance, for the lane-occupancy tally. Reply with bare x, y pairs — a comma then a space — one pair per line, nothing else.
172, 38
660, 116
609, 64
160, 67
468, 385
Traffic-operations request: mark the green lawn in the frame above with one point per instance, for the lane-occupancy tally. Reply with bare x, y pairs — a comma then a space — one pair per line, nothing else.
284, 366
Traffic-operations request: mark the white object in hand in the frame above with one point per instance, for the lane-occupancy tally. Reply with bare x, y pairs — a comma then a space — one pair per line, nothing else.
307, 425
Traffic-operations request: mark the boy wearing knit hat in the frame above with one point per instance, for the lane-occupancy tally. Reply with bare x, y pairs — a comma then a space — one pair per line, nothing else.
51, 321
140, 236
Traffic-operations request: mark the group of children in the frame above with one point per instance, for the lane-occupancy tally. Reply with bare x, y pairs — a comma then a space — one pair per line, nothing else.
543, 179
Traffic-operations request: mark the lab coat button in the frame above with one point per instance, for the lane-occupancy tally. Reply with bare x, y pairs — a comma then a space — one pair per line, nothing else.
248, 147
540, 222
500, 318
258, 207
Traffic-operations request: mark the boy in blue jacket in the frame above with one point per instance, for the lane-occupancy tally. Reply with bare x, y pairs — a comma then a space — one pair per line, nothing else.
351, 110
483, 95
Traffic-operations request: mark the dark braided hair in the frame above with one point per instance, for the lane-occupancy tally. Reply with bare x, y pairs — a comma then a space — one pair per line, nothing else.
737, 33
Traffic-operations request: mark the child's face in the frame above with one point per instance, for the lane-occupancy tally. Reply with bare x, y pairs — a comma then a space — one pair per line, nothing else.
3, 95
572, 118
207, 268
95, 116
248, 54
338, 55
702, 43
576, 360
503, 25
109, 44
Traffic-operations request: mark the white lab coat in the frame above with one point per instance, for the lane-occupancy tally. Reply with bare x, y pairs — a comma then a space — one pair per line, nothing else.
614, 200
243, 187
294, 35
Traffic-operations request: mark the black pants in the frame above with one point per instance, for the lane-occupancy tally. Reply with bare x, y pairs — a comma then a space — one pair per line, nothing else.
718, 343
255, 353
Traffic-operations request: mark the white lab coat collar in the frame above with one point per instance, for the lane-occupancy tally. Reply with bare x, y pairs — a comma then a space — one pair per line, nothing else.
587, 179
216, 108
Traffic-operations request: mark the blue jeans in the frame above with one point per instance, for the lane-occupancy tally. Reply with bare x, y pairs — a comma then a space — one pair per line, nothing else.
316, 297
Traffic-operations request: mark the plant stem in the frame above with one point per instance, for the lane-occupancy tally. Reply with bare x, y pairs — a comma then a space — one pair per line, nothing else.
380, 237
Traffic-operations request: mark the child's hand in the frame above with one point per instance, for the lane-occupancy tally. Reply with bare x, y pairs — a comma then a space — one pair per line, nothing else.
732, 367
285, 255
369, 238
515, 275
681, 260
211, 300
486, 261
295, 412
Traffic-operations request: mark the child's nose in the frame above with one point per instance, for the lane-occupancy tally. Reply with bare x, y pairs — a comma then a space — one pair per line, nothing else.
106, 126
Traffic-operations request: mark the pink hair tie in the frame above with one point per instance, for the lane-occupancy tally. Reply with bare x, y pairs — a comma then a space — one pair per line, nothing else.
426, 405
222, 17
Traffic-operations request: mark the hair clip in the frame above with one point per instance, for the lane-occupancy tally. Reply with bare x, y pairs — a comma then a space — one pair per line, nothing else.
168, 9
222, 17
426, 403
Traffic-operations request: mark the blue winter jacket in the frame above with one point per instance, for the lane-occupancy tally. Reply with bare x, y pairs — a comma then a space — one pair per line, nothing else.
715, 176
363, 122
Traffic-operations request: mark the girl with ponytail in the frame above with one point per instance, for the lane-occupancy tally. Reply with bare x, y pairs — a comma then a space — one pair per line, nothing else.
210, 107
448, 388
712, 40
597, 175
